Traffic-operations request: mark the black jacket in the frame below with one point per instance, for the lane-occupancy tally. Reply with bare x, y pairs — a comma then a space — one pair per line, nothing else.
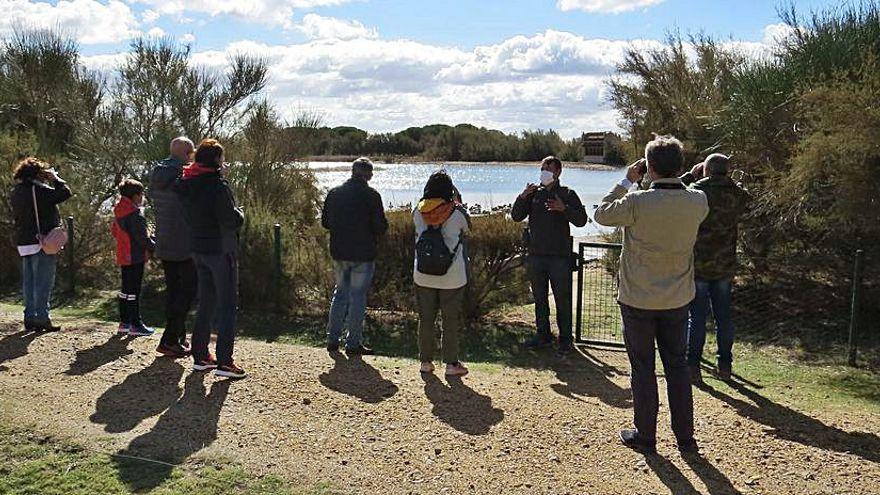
354, 215
549, 234
172, 231
48, 198
213, 217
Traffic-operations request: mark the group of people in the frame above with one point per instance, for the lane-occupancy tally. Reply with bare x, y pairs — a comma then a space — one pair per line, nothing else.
677, 262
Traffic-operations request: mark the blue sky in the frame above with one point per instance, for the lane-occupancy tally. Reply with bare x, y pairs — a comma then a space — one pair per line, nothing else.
386, 64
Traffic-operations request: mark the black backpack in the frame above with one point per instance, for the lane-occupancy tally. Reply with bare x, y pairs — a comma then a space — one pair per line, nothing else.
433, 256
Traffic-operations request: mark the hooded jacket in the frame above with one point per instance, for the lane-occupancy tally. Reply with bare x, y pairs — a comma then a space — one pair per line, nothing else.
48, 199
715, 250
212, 215
454, 222
354, 215
172, 230
549, 233
133, 244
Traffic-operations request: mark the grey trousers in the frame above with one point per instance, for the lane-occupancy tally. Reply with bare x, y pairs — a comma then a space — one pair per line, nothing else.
669, 328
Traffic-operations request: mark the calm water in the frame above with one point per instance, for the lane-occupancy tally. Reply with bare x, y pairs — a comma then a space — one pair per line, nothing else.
486, 185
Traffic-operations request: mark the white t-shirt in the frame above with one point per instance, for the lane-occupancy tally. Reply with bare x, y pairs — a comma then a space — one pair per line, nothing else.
453, 229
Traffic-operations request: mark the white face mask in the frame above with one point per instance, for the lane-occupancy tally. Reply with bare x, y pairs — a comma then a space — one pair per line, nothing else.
547, 178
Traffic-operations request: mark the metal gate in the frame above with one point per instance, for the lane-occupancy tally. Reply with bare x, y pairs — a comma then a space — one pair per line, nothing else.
597, 318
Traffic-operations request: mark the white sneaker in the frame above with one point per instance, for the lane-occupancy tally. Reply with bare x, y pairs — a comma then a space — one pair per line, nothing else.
456, 369
427, 367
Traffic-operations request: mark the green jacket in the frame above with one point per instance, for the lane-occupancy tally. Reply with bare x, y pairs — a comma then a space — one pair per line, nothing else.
715, 250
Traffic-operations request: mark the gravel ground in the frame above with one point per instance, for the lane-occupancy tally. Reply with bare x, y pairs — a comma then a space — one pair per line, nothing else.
376, 426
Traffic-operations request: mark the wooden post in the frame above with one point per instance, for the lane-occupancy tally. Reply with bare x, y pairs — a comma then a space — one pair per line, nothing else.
854, 310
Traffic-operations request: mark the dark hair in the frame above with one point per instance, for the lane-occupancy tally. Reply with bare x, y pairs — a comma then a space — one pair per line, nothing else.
130, 188
552, 160
29, 168
717, 164
665, 156
439, 185
209, 153
362, 164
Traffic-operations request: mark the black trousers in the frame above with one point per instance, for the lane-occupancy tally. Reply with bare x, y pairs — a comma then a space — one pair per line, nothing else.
544, 272
181, 285
130, 295
669, 328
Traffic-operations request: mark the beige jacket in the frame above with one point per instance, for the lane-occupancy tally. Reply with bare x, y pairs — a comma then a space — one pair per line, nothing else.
659, 231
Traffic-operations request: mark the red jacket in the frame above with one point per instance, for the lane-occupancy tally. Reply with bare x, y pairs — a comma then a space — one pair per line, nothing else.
133, 244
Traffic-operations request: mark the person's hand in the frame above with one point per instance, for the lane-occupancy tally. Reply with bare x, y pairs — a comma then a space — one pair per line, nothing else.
637, 170
555, 204
698, 171
528, 191
52, 175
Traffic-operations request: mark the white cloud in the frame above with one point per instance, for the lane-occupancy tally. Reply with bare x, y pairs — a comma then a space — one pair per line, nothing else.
188, 38
150, 16
90, 21
605, 6
156, 32
271, 12
315, 26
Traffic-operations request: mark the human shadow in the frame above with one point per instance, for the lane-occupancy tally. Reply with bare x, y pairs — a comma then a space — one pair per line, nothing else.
15, 345
188, 426
355, 377
670, 475
716, 482
460, 406
141, 395
584, 375
794, 426
88, 360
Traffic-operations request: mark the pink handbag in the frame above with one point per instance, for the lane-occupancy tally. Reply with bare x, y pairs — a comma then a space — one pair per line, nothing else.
54, 241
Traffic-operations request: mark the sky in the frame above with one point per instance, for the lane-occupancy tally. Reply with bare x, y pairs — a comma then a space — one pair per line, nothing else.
384, 65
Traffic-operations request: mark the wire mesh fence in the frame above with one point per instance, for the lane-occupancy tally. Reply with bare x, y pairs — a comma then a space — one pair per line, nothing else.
597, 314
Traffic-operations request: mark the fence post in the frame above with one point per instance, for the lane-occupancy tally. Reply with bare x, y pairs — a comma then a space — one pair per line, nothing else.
71, 263
854, 310
277, 271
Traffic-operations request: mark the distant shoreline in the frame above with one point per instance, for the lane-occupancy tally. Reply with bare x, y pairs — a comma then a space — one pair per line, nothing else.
420, 161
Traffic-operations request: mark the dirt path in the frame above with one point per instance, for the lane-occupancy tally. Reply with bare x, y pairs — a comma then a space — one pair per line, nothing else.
376, 426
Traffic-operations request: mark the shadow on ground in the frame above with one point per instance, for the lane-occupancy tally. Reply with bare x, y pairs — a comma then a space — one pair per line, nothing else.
141, 395
460, 406
353, 376
15, 345
88, 360
186, 427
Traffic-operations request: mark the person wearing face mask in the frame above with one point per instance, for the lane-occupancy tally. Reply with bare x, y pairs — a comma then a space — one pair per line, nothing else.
550, 208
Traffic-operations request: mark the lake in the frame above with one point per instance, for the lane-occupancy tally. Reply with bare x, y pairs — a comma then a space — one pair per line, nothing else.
487, 185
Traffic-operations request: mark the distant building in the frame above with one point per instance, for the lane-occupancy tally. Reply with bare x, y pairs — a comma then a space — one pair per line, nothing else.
596, 145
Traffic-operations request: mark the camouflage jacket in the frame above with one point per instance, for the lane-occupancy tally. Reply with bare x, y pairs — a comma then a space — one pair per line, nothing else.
715, 250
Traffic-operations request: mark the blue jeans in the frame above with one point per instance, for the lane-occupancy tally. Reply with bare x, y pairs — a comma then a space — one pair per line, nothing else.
716, 293
218, 305
349, 301
37, 281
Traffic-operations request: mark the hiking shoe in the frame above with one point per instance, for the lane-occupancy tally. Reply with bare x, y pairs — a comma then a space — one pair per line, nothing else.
332, 346
538, 341
208, 363
427, 368
696, 375
456, 369
140, 330
230, 370
725, 371
45, 326
174, 351
633, 440
564, 349
123, 328
31, 326
360, 350
688, 447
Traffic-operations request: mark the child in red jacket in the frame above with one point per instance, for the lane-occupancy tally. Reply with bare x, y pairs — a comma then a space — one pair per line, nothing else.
133, 248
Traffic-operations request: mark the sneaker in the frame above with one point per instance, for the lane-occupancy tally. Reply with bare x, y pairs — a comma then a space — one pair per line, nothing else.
456, 369
123, 328
360, 350
31, 326
427, 368
230, 371
140, 330
633, 440
174, 351
46, 326
332, 346
538, 341
209, 363
688, 447
696, 375
725, 371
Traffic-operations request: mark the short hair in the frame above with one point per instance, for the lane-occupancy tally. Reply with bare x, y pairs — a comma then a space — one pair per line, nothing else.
361, 165
439, 185
182, 139
552, 160
665, 155
29, 168
130, 188
717, 164
209, 153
